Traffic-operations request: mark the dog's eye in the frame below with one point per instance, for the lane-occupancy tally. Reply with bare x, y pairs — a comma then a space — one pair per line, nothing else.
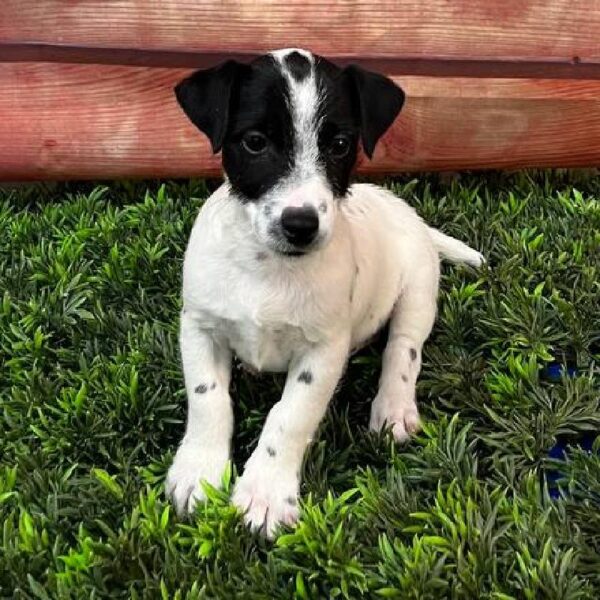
340, 145
254, 142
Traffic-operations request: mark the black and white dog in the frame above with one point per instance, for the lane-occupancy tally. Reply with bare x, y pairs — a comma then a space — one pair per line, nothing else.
291, 268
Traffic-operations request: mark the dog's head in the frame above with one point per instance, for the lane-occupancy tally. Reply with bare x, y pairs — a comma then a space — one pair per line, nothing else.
288, 126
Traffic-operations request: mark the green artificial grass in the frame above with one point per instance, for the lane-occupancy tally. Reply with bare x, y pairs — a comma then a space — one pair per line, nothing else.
92, 405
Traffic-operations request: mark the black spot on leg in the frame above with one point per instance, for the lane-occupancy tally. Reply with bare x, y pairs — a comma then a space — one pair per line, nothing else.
201, 389
271, 451
404, 378
214, 385
413, 354
291, 501
305, 377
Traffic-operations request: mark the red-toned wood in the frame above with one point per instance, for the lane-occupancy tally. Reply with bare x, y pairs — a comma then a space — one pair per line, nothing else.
501, 29
433, 66
87, 121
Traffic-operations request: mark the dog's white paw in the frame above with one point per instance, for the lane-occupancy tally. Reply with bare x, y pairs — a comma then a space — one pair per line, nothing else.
193, 464
402, 416
268, 497
476, 259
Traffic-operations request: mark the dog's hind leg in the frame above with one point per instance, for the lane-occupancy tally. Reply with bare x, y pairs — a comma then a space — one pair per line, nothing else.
205, 448
411, 322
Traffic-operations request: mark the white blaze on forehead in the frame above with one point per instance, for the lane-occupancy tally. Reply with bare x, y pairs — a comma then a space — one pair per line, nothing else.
304, 105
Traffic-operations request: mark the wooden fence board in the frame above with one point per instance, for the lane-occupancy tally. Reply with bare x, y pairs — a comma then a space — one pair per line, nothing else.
61, 121
506, 29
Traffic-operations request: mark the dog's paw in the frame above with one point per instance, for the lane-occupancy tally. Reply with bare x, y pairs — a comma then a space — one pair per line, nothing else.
193, 464
401, 416
267, 497
476, 259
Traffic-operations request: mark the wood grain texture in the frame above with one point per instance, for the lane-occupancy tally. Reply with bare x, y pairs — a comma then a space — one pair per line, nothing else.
541, 68
506, 29
62, 121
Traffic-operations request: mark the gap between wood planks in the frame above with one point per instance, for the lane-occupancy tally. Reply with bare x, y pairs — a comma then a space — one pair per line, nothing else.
434, 66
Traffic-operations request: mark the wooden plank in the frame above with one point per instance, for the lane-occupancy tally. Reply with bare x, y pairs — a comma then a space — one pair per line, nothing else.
429, 66
62, 121
489, 29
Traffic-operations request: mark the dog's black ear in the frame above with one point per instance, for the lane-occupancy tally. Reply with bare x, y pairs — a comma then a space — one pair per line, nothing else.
205, 96
379, 102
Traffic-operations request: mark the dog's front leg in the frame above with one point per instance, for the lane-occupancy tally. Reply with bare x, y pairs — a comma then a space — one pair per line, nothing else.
268, 489
205, 448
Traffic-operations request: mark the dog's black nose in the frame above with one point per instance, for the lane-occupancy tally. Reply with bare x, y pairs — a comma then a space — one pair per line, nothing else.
300, 224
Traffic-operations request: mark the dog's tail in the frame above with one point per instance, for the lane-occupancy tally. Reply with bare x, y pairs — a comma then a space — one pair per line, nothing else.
454, 250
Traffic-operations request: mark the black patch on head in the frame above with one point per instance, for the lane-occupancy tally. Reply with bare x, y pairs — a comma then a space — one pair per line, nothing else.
260, 102
413, 354
339, 117
201, 389
214, 385
305, 377
271, 451
404, 378
233, 99
297, 65
291, 501
356, 103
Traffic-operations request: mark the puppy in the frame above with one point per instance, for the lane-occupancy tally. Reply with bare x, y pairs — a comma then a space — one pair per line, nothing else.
291, 268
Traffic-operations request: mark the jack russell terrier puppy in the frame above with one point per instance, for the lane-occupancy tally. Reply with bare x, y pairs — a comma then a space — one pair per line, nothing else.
292, 268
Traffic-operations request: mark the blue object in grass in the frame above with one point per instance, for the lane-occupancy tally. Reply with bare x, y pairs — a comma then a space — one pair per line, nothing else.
559, 452
553, 372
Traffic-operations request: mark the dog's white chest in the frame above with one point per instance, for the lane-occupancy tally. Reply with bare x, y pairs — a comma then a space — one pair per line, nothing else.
265, 325
266, 348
